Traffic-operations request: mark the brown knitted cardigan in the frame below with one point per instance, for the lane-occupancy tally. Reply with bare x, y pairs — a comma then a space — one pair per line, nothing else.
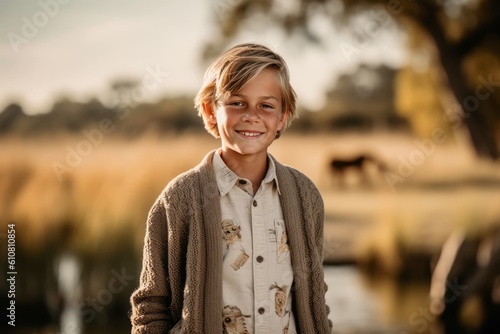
180, 287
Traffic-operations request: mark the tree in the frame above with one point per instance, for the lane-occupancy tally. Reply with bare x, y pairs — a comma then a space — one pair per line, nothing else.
9, 116
459, 30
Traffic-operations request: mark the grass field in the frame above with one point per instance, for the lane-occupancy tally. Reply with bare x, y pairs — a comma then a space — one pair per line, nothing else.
111, 186
69, 195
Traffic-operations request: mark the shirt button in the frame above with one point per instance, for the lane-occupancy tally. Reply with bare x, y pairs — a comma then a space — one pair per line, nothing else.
242, 181
254, 203
261, 310
260, 259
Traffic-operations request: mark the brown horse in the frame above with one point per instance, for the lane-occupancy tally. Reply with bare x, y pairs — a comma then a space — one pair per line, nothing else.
359, 164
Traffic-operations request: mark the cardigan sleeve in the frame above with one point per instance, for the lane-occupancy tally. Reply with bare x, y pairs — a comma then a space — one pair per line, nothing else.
151, 300
302, 203
320, 222
318, 205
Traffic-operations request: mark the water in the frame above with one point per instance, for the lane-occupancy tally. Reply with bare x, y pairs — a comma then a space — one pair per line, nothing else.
68, 274
352, 307
360, 305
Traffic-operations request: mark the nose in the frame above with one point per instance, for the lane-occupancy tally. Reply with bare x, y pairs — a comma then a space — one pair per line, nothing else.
251, 114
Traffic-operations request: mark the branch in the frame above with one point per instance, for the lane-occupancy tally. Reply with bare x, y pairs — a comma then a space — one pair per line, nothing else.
476, 36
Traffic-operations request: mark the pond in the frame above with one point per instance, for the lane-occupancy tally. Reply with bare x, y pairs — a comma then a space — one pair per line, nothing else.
359, 305
375, 306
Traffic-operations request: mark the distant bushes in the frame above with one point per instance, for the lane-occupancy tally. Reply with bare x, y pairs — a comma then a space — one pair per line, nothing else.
70, 117
167, 116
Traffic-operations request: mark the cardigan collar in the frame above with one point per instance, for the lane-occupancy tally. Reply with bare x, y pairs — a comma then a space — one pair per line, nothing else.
292, 214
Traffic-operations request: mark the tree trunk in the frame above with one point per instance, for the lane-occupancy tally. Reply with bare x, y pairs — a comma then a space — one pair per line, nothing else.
481, 134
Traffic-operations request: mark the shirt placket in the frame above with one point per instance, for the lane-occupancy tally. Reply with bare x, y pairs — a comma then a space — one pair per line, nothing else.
260, 273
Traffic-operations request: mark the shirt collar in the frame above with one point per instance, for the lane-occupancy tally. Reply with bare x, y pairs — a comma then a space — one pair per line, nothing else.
226, 178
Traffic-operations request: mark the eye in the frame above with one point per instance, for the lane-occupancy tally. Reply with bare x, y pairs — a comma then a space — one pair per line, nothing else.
236, 103
267, 106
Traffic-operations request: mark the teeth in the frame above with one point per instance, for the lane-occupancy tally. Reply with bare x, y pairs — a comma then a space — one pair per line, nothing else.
250, 134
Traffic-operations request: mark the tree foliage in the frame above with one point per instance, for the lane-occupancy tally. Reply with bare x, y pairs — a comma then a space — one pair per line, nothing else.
464, 36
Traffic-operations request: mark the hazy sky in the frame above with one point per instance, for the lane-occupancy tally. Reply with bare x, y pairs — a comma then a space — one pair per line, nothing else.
75, 48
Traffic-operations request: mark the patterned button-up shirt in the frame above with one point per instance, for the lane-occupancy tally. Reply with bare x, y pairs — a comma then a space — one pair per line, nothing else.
257, 272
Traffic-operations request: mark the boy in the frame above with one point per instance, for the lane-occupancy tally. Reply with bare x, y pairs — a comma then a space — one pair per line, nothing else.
235, 244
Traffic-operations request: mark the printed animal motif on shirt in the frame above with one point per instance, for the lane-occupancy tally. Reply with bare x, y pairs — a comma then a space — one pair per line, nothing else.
279, 299
283, 253
233, 321
231, 232
272, 235
287, 326
240, 260
283, 245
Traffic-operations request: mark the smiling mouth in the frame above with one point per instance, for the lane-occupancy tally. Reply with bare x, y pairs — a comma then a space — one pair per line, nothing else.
249, 134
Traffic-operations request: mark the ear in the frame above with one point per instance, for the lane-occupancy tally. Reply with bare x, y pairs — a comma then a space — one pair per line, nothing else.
283, 119
209, 113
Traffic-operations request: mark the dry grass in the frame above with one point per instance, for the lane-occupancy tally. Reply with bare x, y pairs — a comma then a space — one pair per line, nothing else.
109, 194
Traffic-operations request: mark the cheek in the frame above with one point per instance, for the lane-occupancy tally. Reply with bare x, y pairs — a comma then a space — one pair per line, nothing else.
221, 117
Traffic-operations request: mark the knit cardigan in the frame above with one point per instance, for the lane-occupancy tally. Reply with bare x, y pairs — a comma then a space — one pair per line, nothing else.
180, 288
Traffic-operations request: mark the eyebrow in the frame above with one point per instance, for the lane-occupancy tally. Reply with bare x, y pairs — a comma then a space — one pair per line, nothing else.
270, 97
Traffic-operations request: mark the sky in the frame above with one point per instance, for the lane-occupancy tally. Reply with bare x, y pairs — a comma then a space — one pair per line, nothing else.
50, 49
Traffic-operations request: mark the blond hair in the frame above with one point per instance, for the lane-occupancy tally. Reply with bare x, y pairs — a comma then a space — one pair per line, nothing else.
233, 69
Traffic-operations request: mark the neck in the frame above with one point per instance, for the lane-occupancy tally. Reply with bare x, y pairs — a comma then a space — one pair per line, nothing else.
251, 167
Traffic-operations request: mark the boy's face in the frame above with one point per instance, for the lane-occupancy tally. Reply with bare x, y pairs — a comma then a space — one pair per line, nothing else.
249, 120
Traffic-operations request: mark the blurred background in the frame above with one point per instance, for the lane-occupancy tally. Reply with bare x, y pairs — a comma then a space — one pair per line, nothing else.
399, 127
